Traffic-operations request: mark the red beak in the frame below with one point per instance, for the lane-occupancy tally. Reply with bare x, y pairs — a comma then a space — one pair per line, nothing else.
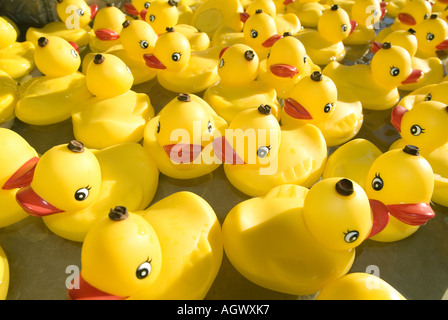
33, 204
222, 52
380, 216
396, 116
286, 2
271, 40
383, 6
443, 45
93, 11
143, 14
107, 35
74, 45
22, 177
129, 8
153, 62
86, 291
353, 25
284, 70
225, 152
296, 110
375, 46
406, 18
413, 77
183, 153
244, 16
414, 214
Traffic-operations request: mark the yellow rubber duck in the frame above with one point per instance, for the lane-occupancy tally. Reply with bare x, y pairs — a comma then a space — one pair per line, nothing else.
18, 161
399, 184
308, 11
375, 85
16, 58
74, 186
139, 9
431, 67
106, 29
8, 99
115, 114
394, 7
338, 120
145, 259
435, 92
238, 88
180, 138
424, 127
180, 68
283, 231
359, 286
259, 155
326, 43
286, 64
432, 36
50, 99
4, 275
73, 26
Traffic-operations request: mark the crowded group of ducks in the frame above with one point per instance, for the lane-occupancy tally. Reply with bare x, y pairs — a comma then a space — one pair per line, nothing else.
261, 87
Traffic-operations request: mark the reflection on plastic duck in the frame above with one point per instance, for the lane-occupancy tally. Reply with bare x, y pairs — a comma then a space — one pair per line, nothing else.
141, 257
8, 99
73, 186
4, 275
18, 160
180, 137
283, 231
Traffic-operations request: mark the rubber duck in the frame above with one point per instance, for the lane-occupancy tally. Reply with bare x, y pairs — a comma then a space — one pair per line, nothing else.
434, 92
400, 212
16, 58
8, 100
4, 275
326, 43
238, 88
424, 127
375, 85
50, 99
73, 25
286, 64
137, 256
106, 29
139, 9
359, 286
259, 32
18, 160
394, 7
73, 186
283, 230
115, 114
432, 36
258, 154
338, 120
180, 68
212, 14
308, 11
180, 138
431, 67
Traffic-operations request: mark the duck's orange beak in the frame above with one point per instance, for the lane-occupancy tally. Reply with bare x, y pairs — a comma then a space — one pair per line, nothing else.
225, 152
107, 34
22, 177
183, 153
397, 115
443, 45
93, 11
284, 70
85, 291
353, 25
152, 61
413, 77
296, 110
130, 9
286, 2
74, 45
271, 40
414, 214
380, 216
33, 204
244, 16
406, 18
383, 6
375, 46
143, 14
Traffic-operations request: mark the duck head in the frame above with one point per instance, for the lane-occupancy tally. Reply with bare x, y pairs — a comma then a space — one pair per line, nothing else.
287, 58
108, 23
162, 14
335, 25
85, 13
432, 35
260, 30
238, 65
138, 38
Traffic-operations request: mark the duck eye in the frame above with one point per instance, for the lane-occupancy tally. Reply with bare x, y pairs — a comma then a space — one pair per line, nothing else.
254, 33
81, 12
221, 63
426, 16
143, 270
263, 151
82, 194
344, 28
377, 183
152, 18
74, 53
416, 130
209, 127
430, 36
158, 127
328, 107
144, 44
428, 97
176, 56
394, 71
351, 236
304, 59
147, 4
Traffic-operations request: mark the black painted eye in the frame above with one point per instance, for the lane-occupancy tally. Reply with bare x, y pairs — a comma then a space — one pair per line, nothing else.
152, 18
263, 151
328, 107
416, 130
428, 97
74, 53
80, 12
426, 16
158, 127
147, 4
351, 236
253, 33
394, 71
144, 44
304, 59
377, 183
209, 127
143, 270
82, 194
221, 63
176, 56
430, 36
344, 28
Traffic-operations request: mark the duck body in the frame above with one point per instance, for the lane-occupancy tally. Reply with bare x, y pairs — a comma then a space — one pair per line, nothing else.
4, 275
8, 99
181, 264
